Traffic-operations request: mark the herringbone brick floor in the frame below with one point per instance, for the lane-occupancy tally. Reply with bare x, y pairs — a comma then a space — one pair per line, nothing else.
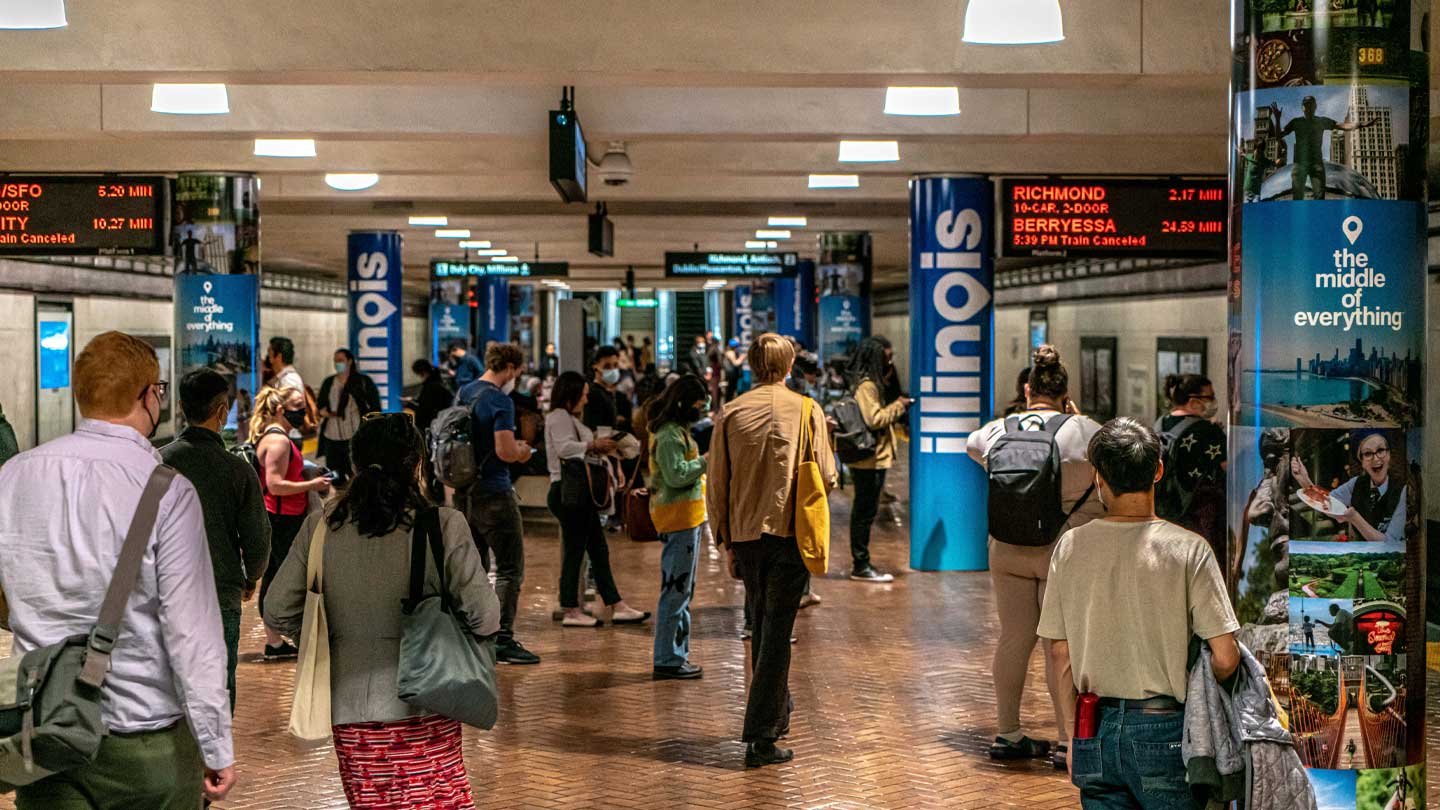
894, 707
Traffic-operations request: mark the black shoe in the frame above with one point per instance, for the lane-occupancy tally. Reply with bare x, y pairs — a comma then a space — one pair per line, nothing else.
1025, 749
1057, 757
746, 632
869, 574
510, 652
685, 672
284, 652
758, 755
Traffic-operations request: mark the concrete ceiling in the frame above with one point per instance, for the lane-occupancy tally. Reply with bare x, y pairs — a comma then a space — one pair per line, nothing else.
725, 108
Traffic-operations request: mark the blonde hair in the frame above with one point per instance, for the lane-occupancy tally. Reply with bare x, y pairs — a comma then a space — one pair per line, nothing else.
269, 403
771, 357
111, 373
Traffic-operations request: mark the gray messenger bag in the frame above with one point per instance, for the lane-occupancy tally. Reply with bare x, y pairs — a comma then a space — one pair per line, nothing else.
50, 697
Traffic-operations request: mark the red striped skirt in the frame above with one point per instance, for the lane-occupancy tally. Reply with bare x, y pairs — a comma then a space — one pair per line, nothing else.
404, 765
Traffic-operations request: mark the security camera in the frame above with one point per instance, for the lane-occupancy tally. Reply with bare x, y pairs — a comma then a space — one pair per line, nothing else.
615, 168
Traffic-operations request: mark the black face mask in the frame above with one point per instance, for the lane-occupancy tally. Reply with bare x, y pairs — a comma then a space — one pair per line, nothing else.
296, 418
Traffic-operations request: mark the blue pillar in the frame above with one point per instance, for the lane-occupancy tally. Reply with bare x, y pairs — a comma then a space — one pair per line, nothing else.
844, 305
744, 314
376, 311
795, 304
449, 316
951, 367
492, 293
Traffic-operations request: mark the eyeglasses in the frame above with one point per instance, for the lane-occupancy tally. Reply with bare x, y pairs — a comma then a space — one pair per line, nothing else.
161, 388
1371, 455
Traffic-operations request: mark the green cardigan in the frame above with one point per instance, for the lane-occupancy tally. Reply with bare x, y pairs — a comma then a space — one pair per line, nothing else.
677, 479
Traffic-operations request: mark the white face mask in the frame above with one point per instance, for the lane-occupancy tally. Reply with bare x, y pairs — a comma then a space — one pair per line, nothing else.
610, 376
1212, 409
341, 366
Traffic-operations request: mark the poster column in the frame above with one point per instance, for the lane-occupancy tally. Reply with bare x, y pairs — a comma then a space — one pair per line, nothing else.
449, 316
794, 298
493, 296
844, 278
215, 240
951, 367
1327, 344
744, 314
376, 311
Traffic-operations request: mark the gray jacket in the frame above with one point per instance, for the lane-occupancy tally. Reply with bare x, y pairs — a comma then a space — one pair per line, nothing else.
1234, 745
365, 580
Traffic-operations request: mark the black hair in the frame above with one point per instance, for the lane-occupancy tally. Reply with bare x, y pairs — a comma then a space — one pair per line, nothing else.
806, 366
568, 389
385, 493
1021, 380
457, 344
677, 403
422, 367
1048, 377
201, 392
605, 352
349, 355
868, 362
1181, 388
284, 347
1126, 455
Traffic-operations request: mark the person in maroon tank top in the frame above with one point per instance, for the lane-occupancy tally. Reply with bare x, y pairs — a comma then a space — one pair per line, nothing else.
287, 493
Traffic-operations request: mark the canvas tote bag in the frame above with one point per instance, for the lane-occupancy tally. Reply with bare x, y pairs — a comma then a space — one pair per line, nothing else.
812, 505
310, 710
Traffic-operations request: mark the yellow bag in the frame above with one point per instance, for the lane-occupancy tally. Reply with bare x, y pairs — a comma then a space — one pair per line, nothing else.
812, 505
310, 709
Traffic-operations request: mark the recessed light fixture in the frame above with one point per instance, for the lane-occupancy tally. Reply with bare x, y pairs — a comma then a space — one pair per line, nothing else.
787, 222
834, 181
351, 181
32, 14
760, 244
1013, 22
476, 244
715, 283
922, 101
506, 260
285, 147
189, 99
869, 151
453, 233
488, 251
430, 222
768, 234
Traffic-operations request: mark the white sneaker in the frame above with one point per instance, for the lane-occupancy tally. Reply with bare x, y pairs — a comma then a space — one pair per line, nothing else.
580, 621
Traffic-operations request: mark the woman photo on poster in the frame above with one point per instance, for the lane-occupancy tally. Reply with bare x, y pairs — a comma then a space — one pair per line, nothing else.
1371, 503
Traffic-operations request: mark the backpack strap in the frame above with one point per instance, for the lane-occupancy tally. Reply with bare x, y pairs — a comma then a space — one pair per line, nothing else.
122, 582
1012, 424
1053, 426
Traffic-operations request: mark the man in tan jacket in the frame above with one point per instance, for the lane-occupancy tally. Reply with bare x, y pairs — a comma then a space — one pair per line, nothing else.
753, 459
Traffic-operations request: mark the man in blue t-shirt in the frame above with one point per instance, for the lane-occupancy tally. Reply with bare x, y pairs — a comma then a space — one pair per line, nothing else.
466, 366
490, 504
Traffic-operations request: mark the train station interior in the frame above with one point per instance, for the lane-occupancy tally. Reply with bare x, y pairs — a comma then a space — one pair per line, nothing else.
1225, 198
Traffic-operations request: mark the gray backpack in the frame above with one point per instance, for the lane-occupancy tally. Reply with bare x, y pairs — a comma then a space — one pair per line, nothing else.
50, 697
452, 454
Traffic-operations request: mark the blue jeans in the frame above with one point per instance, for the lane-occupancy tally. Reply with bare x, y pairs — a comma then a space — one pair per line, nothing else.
1134, 762
677, 587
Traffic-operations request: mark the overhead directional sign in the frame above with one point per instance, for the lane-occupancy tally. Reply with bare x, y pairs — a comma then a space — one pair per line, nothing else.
76, 215
686, 265
450, 269
1113, 217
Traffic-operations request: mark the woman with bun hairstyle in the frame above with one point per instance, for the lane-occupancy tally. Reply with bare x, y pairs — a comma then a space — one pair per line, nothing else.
1018, 573
1192, 493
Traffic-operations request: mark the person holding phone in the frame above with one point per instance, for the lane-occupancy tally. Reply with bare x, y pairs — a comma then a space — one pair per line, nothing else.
1374, 505
868, 371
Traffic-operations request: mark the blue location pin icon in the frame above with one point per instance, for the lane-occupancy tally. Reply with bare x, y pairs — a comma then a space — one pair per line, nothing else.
1352, 226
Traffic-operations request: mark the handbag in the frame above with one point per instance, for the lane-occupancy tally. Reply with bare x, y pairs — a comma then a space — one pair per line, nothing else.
50, 697
310, 708
444, 668
812, 504
637, 511
582, 484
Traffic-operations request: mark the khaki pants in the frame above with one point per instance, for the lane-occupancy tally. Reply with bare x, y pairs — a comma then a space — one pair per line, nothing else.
158, 770
1017, 575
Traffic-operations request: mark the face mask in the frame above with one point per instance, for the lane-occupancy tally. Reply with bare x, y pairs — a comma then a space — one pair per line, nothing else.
1212, 409
295, 418
1100, 495
610, 376
507, 387
154, 420
341, 367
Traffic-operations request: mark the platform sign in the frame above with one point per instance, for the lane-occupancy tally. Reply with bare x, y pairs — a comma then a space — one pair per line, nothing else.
951, 367
70, 215
724, 265
442, 269
376, 317
1113, 217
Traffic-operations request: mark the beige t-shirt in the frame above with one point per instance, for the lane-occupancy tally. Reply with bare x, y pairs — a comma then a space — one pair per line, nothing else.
1127, 597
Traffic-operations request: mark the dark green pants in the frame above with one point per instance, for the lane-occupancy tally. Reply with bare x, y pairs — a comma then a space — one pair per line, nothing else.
158, 770
230, 623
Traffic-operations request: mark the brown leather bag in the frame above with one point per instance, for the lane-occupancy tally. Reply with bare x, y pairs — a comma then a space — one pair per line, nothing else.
637, 511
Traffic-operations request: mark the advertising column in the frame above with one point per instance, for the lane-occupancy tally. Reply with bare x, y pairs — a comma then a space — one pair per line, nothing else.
795, 304
951, 367
1327, 346
376, 313
492, 293
215, 240
844, 278
449, 316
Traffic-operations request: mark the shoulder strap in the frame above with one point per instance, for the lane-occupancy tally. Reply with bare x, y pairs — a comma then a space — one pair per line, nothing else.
806, 450
425, 541
127, 571
1053, 426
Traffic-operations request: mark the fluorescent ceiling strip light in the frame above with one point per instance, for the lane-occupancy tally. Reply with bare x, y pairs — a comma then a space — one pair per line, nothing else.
430, 222
478, 244
506, 260
1013, 22
189, 99
787, 222
489, 251
351, 181
834, 181
869, 151
32, 15
768, 234
453, 233
922, 101
285, 147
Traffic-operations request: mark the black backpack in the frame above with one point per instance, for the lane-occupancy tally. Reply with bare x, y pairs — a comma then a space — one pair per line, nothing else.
853, 439
246, 452
1172, 498
1023, 467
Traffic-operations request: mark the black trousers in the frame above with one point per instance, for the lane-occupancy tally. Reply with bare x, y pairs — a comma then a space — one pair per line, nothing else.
499, 531
774, 577
581, 536
283, 529
868, 486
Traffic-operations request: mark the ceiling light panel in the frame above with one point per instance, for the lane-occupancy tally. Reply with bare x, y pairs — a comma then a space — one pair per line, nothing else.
771, 234
787, 222
869, 151
922, 101
834, 181
190, 99
351, 181
453, 233
285, 147
430, 222
1013, 22
29, 15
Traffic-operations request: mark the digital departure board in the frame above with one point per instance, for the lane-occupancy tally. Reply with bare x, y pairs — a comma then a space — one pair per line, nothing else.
447, 269
1113, 217
690, 265
87, 216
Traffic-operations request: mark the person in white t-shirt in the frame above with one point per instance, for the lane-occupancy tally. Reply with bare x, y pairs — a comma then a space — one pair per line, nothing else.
1018, 573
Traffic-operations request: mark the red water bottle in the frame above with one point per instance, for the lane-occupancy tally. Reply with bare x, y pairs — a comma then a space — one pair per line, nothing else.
1087, 716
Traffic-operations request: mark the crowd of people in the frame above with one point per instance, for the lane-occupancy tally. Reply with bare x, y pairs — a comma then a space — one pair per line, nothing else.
1088, 555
